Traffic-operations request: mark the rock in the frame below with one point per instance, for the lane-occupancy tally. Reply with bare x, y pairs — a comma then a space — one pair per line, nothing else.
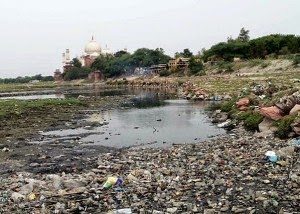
286, 151
172, 210
227, 97
243, 102
243, 108
17, 196
209, 211
286, 104
56, 181
273, 113
71, 184
295, 109
26, 189
266, 125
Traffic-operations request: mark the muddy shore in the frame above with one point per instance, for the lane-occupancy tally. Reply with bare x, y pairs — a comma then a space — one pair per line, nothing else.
226, 175
18, 133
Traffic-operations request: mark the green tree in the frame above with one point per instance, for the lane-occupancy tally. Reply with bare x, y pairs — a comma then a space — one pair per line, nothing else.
120, 53
195, 65
76, 63
244, 35
77, 73
186, 53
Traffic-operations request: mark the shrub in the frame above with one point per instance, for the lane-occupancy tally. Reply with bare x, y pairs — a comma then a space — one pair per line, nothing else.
228, 106
284, 126
296, 60
255, 62
252, 121
265, 64
164, 73
224, 65
180, 82
243, 115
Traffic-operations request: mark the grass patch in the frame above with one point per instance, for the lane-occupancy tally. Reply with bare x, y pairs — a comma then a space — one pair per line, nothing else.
180, 82
296, 59
284, 126
26, 86
252, 121
228, 106
225, 66
164, 73
11, 108
255, 62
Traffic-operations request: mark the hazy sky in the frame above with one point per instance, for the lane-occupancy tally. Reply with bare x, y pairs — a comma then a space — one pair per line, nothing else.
34, 33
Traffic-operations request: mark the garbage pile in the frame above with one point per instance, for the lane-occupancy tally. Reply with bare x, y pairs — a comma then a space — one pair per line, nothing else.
233, 174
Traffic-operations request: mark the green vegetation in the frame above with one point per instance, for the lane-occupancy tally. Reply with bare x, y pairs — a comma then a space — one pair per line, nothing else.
225, 66
123, 62
26, 79
252, 121
15, 108
195, 65
26, 86
77, 73
259, 48
296, 59
228, 106
284, 126
164, 73
186, 53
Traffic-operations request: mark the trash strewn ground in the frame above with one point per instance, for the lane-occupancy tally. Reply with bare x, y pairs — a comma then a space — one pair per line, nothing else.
227, 175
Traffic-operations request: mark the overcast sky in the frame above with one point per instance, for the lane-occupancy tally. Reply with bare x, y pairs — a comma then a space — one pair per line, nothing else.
34, 33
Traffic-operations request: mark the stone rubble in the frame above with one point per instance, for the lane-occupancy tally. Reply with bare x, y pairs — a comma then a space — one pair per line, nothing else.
226, 175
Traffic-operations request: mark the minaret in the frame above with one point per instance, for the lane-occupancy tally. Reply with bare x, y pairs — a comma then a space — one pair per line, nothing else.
63, 58
67, 55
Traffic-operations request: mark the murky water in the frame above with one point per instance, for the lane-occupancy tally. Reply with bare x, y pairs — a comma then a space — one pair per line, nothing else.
64, 92
151, 119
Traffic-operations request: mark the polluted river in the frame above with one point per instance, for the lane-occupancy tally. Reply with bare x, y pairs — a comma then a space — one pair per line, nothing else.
150, 118
133, 150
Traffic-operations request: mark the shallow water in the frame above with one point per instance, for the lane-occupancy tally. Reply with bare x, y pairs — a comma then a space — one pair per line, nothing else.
151, 119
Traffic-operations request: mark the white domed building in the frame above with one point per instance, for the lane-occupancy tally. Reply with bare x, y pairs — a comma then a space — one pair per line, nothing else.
92, 50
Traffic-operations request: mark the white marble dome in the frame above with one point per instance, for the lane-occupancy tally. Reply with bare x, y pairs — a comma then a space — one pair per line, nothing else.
92, 47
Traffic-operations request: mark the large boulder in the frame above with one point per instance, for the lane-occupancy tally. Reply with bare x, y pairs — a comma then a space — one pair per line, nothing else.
273, 112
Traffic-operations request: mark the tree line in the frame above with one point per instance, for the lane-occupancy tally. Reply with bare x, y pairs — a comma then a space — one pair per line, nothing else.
244, 48
122, 62
26, 79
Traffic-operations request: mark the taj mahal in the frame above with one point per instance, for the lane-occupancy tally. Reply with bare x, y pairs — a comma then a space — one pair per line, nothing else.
92, 50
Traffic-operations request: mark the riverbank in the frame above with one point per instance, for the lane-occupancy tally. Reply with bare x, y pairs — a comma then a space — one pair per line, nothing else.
24, 121
229, 175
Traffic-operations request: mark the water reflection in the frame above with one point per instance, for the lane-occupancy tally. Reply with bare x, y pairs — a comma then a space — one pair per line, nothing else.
96, 91
178, 121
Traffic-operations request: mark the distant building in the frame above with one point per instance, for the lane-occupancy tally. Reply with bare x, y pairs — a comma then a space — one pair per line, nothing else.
92, 50
96, 76
178, 63
66, 60
156, 69
142, 71
57, 75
